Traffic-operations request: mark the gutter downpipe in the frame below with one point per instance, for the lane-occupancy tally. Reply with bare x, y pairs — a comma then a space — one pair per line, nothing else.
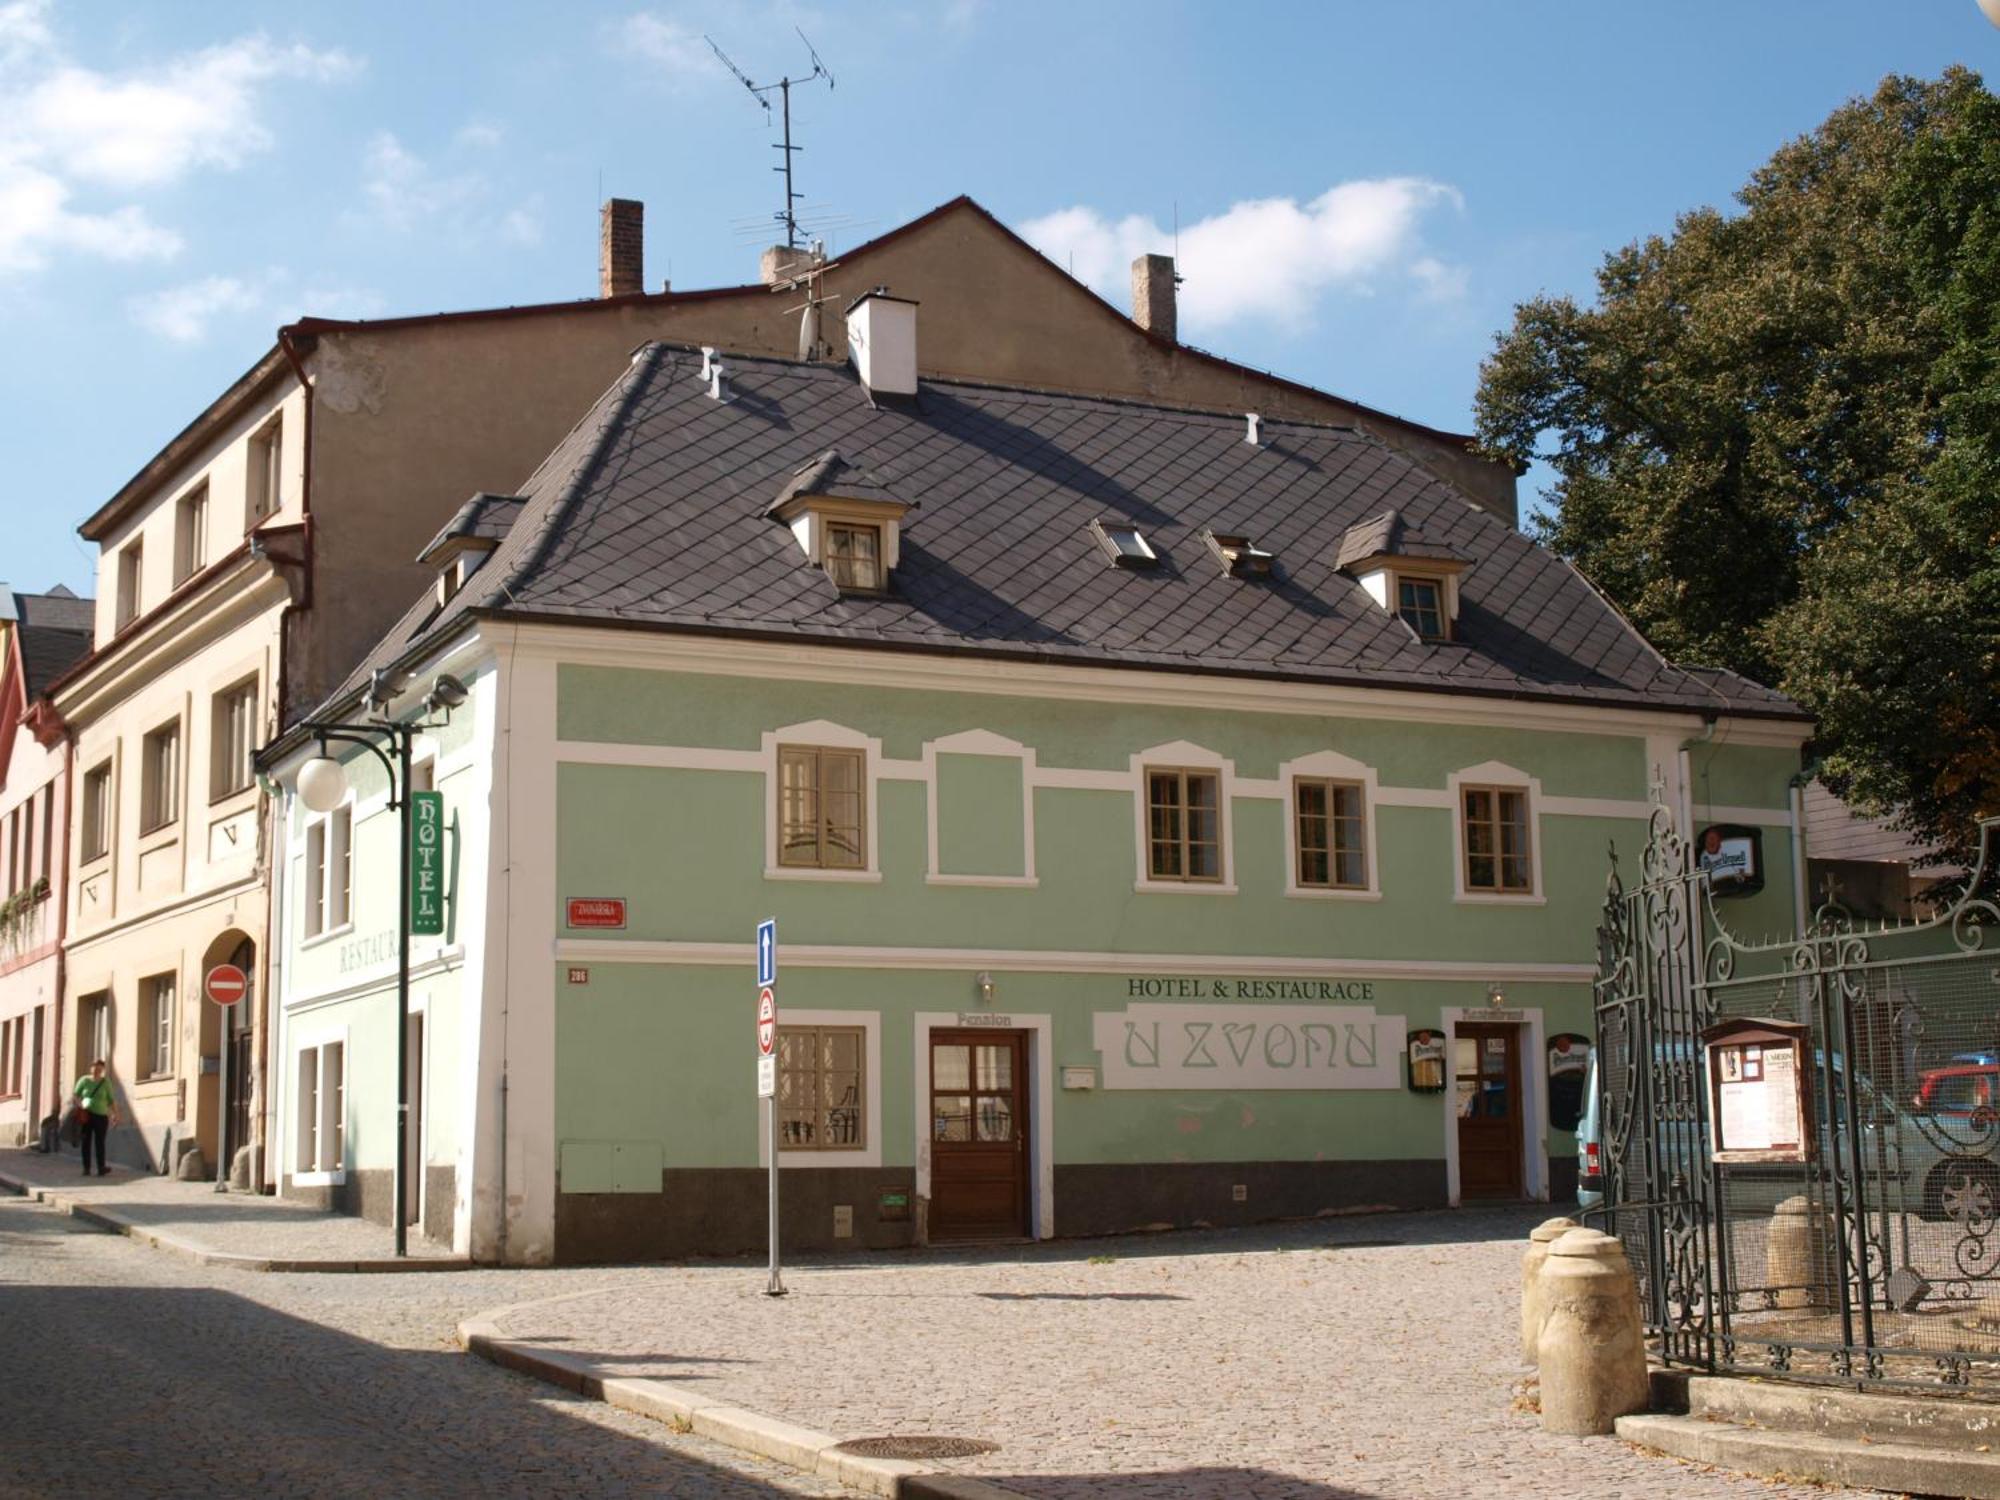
273, 835
1686, 808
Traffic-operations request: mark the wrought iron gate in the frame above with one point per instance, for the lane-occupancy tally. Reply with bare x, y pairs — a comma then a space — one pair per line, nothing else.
1876, 1260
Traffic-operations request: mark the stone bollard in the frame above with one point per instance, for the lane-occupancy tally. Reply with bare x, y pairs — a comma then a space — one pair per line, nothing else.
1798, 1255
1592, 1350
1539, 1239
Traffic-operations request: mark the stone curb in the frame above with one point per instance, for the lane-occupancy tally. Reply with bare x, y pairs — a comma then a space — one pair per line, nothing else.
173, 1244
690, 1410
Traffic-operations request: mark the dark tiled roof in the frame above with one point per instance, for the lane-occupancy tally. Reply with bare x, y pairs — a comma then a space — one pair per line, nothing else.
831, 475
56, 631
1388, 535
482, 518
653, 514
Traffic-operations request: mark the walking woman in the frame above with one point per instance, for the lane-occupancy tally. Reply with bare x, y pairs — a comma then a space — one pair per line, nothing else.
97, 1109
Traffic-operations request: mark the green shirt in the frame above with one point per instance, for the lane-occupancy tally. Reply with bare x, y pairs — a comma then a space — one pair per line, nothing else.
94, 1094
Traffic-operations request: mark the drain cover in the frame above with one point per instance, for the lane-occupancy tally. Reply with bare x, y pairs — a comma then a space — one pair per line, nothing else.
917, 1446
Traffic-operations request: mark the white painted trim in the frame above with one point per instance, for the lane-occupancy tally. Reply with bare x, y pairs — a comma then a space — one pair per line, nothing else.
1332, 764
825, 734
1051, 961
812, 661
1765, 817
659, 757
1500, 774
1178, 755
1634, 808
1534, 1089
979, 742
870, 1154
1077, 780
1041, 1100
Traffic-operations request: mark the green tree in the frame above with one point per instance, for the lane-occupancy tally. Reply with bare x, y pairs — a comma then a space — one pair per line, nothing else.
1775, 436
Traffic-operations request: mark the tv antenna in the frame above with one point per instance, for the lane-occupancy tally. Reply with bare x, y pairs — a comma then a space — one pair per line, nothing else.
761, 92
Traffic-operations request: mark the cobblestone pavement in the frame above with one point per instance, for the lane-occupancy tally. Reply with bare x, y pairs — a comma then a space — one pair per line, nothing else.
232, 1223
137, 1375
1366, 1357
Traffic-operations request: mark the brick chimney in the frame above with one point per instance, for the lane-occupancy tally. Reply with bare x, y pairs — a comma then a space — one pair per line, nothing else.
1153, 295
621, 248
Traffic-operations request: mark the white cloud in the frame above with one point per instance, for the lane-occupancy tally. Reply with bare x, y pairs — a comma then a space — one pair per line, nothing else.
405, 191
183, 313
674, 50
66, 129
1266, 259
477, 135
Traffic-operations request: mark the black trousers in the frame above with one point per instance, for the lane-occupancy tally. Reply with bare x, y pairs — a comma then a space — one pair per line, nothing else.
95, 1128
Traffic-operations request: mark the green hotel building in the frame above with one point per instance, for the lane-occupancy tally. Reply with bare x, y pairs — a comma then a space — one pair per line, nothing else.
1169, 817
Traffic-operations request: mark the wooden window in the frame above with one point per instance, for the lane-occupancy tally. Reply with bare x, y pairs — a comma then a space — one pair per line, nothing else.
1420, 601
232, 739
1183, 824
1498, 849
160, 778
821, 808
320, 1133
12, 833
97, 812
1332, 845
267, 473
190, 534
156, 1021
16, 1071
854, 557
131, 572
821, 1088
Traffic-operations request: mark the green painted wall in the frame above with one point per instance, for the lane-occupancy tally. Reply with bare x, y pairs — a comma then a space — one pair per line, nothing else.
979, 815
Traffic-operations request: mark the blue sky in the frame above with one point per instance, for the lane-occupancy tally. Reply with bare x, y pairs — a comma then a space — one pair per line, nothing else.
1364, 190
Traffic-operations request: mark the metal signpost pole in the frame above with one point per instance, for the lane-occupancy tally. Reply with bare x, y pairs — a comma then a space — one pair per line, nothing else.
767, 1074
406, 828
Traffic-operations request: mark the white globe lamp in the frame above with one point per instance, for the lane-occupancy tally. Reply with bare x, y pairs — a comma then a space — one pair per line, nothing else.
322, 784
1991, 10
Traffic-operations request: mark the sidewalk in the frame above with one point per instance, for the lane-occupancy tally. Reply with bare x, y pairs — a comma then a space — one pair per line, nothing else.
240, 1230
1334, 1360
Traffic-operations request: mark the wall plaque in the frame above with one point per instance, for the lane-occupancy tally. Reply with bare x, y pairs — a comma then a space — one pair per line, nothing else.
1759, 1104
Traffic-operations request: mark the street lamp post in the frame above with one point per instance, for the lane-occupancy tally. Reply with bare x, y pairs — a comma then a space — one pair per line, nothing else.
322, 784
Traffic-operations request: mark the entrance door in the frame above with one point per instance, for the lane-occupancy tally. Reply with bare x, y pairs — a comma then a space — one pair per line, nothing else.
1487, 1076
979, 1135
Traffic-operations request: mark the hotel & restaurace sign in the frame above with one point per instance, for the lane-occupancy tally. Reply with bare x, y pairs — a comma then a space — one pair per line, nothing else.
1328, 1037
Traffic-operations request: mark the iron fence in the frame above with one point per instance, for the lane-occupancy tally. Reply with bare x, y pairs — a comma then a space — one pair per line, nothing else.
1876, 1259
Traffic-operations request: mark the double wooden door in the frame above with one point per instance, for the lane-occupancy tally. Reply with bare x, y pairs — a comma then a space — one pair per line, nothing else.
1486, 1068
979, 1135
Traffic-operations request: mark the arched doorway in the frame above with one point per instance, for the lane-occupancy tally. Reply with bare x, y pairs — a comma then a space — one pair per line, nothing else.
224, 1117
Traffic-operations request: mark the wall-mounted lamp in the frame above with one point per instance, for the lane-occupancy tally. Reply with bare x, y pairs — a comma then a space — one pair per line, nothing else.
1495, 996
984, 981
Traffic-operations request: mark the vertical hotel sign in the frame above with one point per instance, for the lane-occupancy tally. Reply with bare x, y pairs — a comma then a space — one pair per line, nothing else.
426, 864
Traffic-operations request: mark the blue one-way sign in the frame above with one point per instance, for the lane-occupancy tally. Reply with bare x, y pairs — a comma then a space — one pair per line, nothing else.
767, 951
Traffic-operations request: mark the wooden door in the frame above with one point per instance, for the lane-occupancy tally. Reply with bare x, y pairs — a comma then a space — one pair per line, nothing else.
1486, 1068
979, 1135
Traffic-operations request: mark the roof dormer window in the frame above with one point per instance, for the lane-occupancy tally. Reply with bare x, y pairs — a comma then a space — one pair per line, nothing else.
1239, 555
468, 540
1127, 545
844, 522
1407, 574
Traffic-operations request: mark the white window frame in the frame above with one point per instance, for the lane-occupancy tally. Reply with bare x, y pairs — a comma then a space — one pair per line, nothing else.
264, 471
222, 735
190, 533
869, 1154
1180, 755
329, 1108
97, 802
822, 734
153, 1032
976, 742
1508, 778
129, 602
160, 789
327, 853
1333, 766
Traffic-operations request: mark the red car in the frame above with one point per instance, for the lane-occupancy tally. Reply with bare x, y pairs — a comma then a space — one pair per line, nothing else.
1959, 1089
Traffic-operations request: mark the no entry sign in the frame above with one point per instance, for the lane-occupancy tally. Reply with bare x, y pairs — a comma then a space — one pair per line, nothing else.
767, 1021
225, 984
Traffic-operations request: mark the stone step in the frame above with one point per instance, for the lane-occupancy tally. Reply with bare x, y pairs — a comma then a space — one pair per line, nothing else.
1899, 1468
1932, 1421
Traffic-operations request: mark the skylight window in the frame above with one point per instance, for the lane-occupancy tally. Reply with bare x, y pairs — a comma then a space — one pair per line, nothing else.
1126, 544
1239, 555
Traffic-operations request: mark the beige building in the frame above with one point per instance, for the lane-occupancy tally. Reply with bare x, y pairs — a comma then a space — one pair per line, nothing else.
41, 635
250, 563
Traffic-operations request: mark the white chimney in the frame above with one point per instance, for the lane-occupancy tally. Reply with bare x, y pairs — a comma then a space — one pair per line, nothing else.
882, 342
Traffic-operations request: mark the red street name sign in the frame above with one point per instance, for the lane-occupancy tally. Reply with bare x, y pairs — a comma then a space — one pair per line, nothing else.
596, 911
225, 984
